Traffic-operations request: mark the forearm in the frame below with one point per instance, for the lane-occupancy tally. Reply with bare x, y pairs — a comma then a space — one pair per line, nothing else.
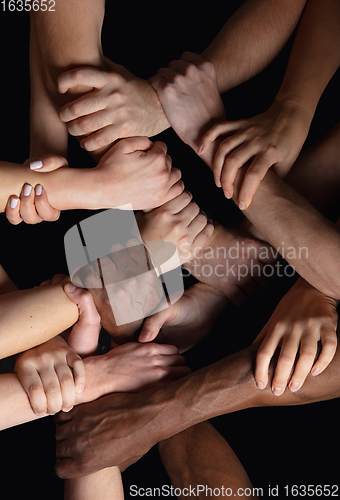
201, 456
67, 188
6, 284
251, 39
69, 38
306, 239
315, 54
48, 134
31, 317
228, 386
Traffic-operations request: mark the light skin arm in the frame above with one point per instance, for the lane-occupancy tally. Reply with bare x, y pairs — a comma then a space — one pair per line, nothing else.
30, 317
251, 39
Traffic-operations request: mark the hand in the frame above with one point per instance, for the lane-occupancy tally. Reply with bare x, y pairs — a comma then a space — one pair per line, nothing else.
303, 317
142, 171
121, 105
135, 367
272, 139
51, 375
123, 287
190, 98
186, 322
33, 206
83, 337
117, 429
180, 222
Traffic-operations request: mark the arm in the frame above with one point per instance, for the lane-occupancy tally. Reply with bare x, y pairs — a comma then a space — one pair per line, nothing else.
134, 171
251, 39
304, 237
27, 317
123, 427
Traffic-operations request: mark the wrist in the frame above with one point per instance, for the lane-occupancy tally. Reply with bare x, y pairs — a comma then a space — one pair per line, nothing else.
298, 105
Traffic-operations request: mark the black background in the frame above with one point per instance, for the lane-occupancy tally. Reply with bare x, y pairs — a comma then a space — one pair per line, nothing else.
293, 445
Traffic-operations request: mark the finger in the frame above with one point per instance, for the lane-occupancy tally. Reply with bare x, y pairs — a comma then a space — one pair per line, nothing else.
189, 213
52, 389
329, 342
103, 137
65, 468
216, 131
77, 365
138, 254
90, 77
193, 58
196, 226
13, 210
58, 278
168, 74
177, 186
248, 285
89, 278
48, 163
252, 179
203, 236
218, 165
171, 360
180, 66
153, 324
130, 145
308, 350
33, 386
233, 162
265, 354
84, 300
177, 204
89, 123
67, 386
285, 363
27, 206
43, 208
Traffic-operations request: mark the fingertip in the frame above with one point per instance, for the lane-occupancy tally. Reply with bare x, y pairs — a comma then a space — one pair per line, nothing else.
260, 385
13, 202
241, 205
69, 288
36, 164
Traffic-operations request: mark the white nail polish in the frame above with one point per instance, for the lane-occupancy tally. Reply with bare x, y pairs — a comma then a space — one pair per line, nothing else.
27, 189
34, 165
38, 189
14, 202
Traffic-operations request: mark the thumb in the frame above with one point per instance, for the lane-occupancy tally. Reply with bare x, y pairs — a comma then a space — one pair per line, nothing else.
47, 163
153, 324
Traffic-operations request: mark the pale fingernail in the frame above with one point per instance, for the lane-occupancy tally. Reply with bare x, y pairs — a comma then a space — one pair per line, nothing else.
227, 195
13, 202
145, 336
241, 205
218, 181
69, 287
294, 386
260, 385
38, 189
79, 388
277, 391
27, 189
34, 165
200, 149
66, 410
315, 371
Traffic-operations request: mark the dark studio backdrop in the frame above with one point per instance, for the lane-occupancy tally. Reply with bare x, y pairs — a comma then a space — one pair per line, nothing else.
277, 446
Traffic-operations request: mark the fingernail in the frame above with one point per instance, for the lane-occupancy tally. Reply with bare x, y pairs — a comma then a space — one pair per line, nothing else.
241, 205
277, 391
38, 189
200, 149
79, 388
145, 336
218, 181
294, 386
315, 371
260, 385
13, 202
27, 189
227, 195
69, 287
66, 410
34, 165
